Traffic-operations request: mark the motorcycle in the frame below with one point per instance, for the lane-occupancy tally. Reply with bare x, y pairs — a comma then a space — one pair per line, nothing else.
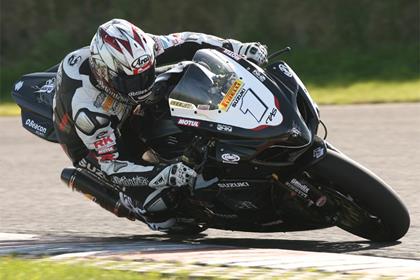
251, 133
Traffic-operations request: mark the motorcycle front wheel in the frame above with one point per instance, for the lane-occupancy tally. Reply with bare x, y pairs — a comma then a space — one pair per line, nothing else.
364, 204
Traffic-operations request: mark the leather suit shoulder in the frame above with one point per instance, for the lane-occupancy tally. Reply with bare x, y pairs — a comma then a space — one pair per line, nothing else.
73, 61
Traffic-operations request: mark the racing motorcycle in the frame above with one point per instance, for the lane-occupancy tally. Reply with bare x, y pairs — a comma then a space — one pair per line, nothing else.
251, 133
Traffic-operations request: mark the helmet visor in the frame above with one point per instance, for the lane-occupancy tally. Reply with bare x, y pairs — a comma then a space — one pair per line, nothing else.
137, 87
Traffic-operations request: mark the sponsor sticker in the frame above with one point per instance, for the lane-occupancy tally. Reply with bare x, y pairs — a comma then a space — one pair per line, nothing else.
298, 187
39, 129
186, 122
92, 168
106, 141
181, 104
141, 62
271, 115
229, 96
283, 68
260, 76
100, 100
107, 103
238, 98
130, 181
230, 158
48, 87
223, 127
233, 185
318, 152
18, 86
233, 55
106, 148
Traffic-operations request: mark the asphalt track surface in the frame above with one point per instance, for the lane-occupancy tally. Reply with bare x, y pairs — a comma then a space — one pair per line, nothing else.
384, 138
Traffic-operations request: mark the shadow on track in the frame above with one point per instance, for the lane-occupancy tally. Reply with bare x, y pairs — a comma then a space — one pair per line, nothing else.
55, 245
300, 245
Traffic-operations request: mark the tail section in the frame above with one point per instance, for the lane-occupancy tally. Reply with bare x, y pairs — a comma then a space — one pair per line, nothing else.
34, 93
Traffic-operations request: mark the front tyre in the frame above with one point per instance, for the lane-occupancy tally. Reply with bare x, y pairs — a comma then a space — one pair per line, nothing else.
380, 213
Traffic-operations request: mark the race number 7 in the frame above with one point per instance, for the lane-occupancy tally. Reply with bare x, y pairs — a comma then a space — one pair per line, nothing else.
252, 104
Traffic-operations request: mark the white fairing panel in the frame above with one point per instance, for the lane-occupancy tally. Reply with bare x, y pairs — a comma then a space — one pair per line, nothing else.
247, 102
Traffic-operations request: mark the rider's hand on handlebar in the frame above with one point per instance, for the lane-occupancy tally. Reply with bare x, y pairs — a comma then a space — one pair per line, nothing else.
253, 51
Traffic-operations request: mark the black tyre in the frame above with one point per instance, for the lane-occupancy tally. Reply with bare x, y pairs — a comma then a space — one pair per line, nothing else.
387, 219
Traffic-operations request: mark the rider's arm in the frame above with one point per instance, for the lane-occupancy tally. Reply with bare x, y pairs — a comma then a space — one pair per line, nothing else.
182, 46
95, 127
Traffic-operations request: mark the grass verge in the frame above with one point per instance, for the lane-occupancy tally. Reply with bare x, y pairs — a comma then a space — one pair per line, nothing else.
24, 269
367, 92
355, 93
16, 268
9, 109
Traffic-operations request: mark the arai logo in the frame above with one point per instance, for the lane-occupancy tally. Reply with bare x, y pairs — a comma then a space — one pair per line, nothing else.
230, 158
30, 123
141, 61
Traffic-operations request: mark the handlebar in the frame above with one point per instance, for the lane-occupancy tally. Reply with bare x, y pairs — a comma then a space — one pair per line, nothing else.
277, 53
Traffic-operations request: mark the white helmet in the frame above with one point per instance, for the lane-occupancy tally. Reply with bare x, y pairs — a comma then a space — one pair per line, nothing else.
123, 61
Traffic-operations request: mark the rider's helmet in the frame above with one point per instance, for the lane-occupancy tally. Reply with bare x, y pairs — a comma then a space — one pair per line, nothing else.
123, 61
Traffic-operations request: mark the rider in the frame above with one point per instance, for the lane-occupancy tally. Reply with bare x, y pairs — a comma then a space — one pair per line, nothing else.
98, 89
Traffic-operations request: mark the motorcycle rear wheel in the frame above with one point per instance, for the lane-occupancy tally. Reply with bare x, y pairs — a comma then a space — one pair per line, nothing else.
381, 215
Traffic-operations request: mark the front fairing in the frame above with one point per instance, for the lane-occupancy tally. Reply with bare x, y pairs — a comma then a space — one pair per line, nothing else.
293, 88
234, 98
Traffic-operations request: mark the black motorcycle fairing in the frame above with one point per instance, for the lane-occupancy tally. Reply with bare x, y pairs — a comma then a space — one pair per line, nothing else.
287, 165
167, 139
272, 146
250, 205
34, 94
292, 87
197, 87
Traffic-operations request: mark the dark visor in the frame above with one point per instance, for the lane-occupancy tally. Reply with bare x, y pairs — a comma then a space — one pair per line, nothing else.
126, 84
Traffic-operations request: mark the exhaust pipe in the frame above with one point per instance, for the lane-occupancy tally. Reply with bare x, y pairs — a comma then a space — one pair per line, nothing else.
96, 190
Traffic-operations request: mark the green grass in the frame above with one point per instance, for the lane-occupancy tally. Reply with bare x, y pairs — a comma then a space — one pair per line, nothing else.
18, 268
24, 269
367, 92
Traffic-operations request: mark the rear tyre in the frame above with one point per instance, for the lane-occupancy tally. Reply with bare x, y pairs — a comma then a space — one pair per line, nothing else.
387, 219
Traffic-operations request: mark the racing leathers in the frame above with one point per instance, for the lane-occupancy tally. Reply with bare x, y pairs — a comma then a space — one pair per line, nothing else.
91, 127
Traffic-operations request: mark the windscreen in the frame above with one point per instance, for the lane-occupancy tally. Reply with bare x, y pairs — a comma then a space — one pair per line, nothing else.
206, 82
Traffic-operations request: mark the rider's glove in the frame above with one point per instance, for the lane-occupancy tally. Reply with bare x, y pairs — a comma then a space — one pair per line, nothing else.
174, 175
253, 51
